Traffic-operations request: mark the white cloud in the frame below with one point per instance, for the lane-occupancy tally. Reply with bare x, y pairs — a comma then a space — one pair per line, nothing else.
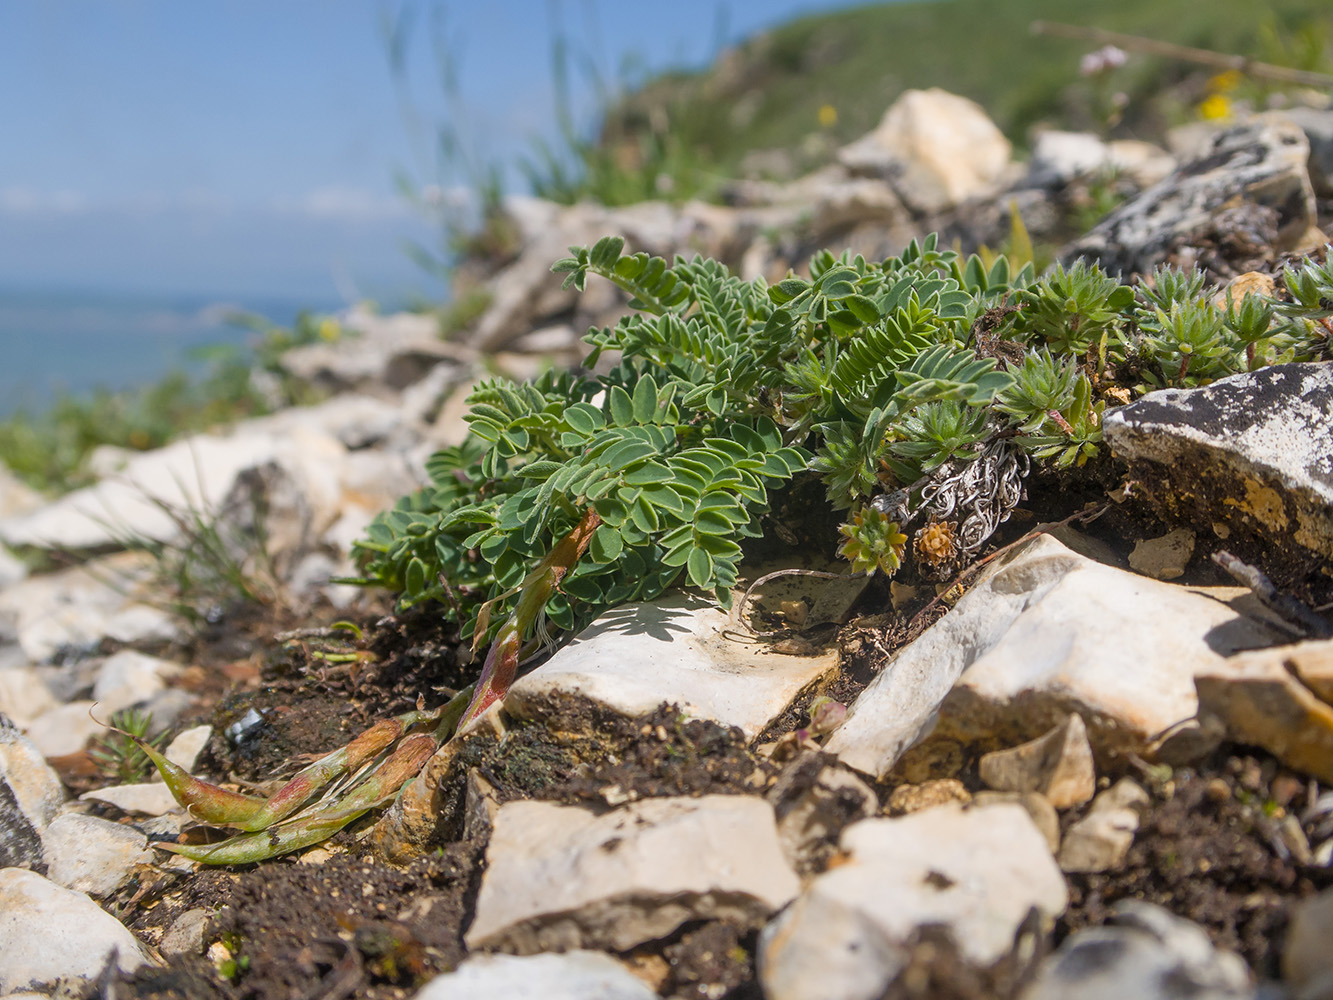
29, 201
339, 202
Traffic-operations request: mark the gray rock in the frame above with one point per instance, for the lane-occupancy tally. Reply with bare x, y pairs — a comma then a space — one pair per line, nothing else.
185, 749
976, 872
49, 933
92, 855
1262, 163
1059, 765
560, 877
129, 678
574, 975
185, 936
30, 796
1045, 633
1307, 962
385, 351
1148, 954
1249, 458
678, 650
1165, 557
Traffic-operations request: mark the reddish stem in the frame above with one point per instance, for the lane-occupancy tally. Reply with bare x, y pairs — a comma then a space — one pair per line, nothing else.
497, 673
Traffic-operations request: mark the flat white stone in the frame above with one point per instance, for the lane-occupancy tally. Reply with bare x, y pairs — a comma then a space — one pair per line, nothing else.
130, 677
574, 975
1058, 764
92, 855
48, 932
976, 871
681, 649
1045, 633
147, 799
560, 877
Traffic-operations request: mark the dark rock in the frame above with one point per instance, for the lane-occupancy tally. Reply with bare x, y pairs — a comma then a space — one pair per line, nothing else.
1260, 163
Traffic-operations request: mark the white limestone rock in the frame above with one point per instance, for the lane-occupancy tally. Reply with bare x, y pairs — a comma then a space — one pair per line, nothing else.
196, 473
75, 609
681, 649
30, 797
1146, 953
574, 975
559, 877
1060, 157
1249, 456
975, 871
92, 855
49, 933
1045, 633
128, 678
936, 148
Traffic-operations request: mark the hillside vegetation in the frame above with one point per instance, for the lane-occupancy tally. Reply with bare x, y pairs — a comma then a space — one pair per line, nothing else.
767, 94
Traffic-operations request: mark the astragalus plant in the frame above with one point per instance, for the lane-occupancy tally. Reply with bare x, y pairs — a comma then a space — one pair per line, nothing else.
920, 390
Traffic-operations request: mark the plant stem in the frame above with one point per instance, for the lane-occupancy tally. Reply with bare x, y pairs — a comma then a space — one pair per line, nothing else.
536, 589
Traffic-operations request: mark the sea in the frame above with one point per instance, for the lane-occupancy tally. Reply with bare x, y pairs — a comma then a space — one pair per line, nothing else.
61, 341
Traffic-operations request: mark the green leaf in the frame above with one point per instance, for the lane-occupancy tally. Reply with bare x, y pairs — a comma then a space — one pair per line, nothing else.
584, 418
622, 407
645, 400
700, 568
606, 544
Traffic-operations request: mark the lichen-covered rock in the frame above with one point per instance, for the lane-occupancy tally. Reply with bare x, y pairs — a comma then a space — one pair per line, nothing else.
1248, 458
1262, 163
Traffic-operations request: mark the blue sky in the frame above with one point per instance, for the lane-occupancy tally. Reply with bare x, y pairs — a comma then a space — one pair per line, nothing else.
249, 147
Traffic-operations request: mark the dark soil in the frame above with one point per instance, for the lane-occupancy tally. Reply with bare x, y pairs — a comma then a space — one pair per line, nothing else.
351, 925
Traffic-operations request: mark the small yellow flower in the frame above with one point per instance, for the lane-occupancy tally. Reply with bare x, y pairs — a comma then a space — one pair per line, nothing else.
1215, 107
329, 329
828, 116
1223, 82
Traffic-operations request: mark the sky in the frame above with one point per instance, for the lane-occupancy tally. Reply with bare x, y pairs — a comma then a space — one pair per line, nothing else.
250, 147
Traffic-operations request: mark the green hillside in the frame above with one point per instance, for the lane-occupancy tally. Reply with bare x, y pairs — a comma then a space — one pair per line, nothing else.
767, 94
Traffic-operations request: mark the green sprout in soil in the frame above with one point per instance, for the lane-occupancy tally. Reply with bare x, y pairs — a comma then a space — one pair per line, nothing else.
919, 390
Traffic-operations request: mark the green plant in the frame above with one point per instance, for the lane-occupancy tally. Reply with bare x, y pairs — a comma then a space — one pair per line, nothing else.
576, 492
120, 755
